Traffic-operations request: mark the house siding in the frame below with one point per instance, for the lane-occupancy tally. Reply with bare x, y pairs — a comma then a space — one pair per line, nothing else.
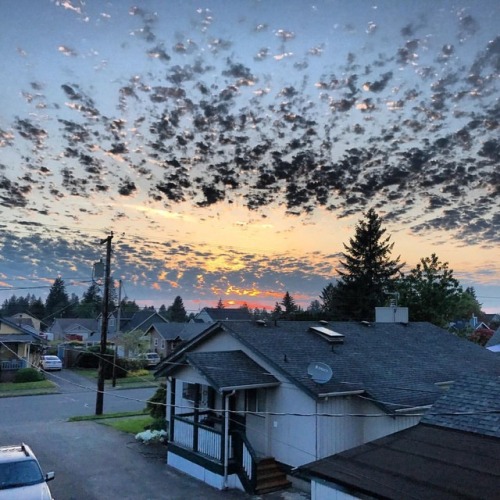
321, 491
341, 432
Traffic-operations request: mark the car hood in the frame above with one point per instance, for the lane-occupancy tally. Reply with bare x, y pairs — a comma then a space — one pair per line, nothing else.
38, 491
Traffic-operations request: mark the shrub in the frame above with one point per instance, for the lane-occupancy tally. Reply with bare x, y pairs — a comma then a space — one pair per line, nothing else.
28, 375
139, 373
156, 405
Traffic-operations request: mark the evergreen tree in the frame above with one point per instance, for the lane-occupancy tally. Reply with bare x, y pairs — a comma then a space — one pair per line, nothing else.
289, 304
220, 304
367, 270
57, 304
176, 311
128, 308
91, 304
37, 308
163, 311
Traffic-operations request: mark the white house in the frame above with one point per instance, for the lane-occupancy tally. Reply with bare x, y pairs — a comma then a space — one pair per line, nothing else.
247, 400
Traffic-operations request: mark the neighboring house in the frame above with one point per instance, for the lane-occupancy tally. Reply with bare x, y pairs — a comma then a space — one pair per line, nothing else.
494, 343
79, 329
164, 338
20, 347
294, 392
139, 321
454, 452
27, 319
482, 334
213, 314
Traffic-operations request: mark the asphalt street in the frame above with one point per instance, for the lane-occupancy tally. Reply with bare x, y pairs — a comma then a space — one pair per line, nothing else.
92, 460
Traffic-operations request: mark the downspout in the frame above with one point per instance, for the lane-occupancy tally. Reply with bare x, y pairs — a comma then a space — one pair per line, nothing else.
226, 436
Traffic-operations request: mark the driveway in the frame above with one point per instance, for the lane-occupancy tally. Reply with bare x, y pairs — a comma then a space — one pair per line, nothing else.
94, 461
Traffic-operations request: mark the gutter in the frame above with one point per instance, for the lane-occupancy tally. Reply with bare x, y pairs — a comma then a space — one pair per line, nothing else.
415, 408
344, 393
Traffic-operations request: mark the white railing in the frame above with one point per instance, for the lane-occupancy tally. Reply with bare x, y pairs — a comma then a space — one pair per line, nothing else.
184, 433
247, 461
208, 440
209, 443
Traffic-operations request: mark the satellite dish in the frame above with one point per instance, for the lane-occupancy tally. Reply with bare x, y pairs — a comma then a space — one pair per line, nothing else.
321, 373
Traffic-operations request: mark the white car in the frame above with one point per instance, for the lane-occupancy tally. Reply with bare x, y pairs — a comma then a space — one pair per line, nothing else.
152, 359
49, 362
21, 477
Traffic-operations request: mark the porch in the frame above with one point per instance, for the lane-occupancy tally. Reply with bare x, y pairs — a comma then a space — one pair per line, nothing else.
198, 437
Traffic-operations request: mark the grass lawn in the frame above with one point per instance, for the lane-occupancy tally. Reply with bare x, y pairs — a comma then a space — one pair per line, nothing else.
132, 425
32, 387
91, 374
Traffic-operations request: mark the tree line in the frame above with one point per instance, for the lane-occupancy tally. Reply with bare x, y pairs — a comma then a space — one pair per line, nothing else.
59, 304
368, 277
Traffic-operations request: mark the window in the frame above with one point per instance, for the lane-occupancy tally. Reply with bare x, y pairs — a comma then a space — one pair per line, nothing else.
256, 400
156, 342
188, 391
163, 343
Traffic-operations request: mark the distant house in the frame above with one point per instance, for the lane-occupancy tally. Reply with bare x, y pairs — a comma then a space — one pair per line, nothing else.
213, 314
139, 321
165, 337
244, 397
494, 343
20, 347
454, 452
79, 329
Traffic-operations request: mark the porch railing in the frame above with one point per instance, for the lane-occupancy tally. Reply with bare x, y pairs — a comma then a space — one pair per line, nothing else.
199, 437
245, 455
14, 364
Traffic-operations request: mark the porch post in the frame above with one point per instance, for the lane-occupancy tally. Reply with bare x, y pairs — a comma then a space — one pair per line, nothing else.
196, 416
172, 383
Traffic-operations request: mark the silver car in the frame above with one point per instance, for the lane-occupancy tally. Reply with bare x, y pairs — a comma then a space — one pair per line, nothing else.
48, 362
21, 476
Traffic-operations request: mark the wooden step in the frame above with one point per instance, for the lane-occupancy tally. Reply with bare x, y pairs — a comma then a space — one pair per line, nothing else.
270, 477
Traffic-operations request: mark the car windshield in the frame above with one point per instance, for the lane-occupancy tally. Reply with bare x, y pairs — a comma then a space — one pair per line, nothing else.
51, 358
15, 474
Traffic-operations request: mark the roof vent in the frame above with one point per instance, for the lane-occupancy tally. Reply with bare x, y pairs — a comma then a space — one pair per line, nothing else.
260, 322
366, 323
323, 322
327, 334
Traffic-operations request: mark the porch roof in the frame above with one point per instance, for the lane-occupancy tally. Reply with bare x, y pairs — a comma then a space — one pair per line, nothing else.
22, 338
230, 370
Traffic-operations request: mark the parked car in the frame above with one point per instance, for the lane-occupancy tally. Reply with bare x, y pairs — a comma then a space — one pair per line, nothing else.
49, 362
21, 475
152, 358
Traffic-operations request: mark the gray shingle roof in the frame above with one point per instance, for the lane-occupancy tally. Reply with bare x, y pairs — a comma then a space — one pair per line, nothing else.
472, 404
397, 365
183, 331
230, 369
229, 314
494, 339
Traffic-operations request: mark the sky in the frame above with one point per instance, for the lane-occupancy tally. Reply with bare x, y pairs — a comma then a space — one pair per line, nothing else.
231, 147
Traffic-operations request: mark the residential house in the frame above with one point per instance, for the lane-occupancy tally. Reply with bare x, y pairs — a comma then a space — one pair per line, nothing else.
494, 343
164, 338
454, 452
247, 396
27, 319
79, 329
139, 321
213, 314
20, 347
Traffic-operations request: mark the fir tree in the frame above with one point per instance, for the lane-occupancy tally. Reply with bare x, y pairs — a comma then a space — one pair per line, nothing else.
57, 304
367, 270
289, 305
176, 312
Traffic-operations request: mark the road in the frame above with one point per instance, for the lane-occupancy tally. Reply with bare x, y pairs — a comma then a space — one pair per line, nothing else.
92, 460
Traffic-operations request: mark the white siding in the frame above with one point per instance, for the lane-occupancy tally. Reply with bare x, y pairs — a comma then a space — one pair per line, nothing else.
292, 437
341, 432
321, 491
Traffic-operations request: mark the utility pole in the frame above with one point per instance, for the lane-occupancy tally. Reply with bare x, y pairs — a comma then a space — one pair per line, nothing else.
118, 320
104, 328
